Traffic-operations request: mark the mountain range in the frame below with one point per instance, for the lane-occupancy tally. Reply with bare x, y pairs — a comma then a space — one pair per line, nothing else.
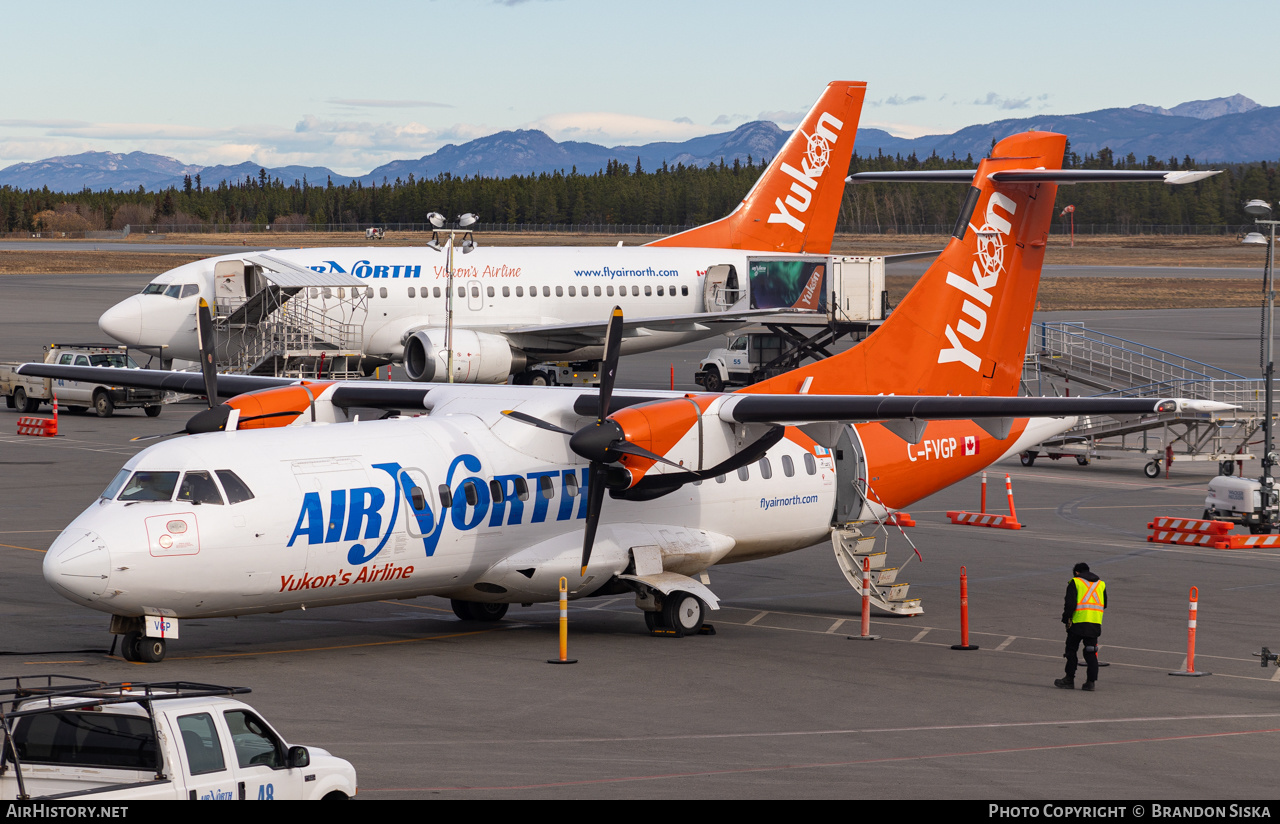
1225, 129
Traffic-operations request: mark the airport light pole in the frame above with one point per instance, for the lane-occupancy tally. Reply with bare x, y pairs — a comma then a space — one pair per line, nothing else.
468, 243
1260, 209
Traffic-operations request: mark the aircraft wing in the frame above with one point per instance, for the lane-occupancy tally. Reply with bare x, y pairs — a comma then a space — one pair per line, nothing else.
374, 394
574, 335
191, 383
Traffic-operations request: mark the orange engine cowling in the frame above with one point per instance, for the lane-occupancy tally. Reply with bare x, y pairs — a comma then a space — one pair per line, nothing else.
281, 406
680, 430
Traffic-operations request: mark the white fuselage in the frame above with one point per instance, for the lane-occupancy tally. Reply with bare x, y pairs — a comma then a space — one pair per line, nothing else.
333, 520
496, 289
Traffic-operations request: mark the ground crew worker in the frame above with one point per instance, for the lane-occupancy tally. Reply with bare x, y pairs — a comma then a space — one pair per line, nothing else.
1082, 614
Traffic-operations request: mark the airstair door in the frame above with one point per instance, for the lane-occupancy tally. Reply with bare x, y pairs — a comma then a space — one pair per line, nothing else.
851, 475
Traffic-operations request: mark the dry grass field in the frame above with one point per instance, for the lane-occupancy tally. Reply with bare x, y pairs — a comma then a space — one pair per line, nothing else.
1057, 293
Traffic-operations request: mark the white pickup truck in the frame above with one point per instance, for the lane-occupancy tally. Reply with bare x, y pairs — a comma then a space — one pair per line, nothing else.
27, 394
70, 738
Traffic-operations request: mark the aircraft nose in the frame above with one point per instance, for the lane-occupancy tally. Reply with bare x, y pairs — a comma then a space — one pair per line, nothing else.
124, 321
78, 565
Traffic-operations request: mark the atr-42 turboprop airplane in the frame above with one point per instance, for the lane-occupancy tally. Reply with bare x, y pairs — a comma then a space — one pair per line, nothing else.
515, 307
289, 497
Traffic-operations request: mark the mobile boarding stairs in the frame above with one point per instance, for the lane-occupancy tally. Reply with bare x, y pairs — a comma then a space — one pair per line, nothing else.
1062, 357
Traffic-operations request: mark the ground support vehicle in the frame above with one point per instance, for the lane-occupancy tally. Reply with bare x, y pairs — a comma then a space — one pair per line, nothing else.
68, 738
27, 394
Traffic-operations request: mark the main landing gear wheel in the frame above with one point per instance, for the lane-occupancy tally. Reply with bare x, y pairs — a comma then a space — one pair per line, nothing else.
151, 650
475, 611
683, 612
129, 645
1028, 458
713, 381
1152, 469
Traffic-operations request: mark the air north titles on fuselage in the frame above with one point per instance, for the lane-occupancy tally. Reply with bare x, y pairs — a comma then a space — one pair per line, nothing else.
360, 515
367, 270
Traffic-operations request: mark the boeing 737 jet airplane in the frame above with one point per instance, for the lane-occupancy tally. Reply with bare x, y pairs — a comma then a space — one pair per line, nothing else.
293, 494
518, 306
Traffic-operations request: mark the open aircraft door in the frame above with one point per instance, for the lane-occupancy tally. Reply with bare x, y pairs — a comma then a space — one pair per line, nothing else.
720, 288
851, 476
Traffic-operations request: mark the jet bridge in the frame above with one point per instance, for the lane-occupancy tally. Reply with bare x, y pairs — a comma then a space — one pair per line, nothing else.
1065, 357
261, 327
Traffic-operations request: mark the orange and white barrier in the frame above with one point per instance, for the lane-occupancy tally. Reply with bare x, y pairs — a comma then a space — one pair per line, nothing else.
900, 519
1191, 532
40, 427
1191, 637
564, 626
1251, 541
984, 518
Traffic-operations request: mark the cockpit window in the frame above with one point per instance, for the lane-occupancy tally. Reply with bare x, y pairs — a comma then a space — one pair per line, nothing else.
153, 289
199, 488
117, 359
116, 483
190, 290
150, 486
236, 489
173, 291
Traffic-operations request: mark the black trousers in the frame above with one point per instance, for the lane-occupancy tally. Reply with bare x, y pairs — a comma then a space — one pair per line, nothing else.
1090, 655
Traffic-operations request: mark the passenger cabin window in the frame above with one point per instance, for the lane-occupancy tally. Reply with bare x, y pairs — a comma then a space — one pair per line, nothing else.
435, 291
659, 291
254, 742
609, 291
446, 496
519, 291
506, 291
150, 486
573, 291
648, 291
236, 489
545, 488
546, 291
559, 291
766, 471
597, 291
489, 291
382, 292
744, 474
522, 489
788, 466
199, 488
413, 292
571, 485
200, 740
684, 290
475, 291
810, 465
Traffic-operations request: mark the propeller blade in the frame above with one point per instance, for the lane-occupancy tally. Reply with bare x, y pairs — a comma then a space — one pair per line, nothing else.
208, 364
609, 365
628, 448
532, 421
595, 500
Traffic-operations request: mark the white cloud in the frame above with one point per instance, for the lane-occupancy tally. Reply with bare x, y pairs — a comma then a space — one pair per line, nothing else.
612, 129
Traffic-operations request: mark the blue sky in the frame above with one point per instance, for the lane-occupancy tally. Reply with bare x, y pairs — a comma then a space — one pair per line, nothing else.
351, 86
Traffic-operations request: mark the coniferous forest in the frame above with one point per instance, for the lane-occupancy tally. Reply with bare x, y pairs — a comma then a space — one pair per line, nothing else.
622, 195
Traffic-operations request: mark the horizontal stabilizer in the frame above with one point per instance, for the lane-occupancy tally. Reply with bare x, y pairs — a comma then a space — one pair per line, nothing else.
787, 409
1070, 176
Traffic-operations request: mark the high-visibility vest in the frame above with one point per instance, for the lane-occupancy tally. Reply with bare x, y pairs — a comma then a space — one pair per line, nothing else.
1089, 601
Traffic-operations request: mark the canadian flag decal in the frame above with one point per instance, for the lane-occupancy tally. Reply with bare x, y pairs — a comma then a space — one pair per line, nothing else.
971, 444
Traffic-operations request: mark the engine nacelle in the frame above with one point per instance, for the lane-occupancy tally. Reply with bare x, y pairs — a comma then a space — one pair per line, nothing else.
478, 357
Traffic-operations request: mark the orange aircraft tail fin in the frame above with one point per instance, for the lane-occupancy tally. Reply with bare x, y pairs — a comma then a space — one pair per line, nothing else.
794, 205
962, 329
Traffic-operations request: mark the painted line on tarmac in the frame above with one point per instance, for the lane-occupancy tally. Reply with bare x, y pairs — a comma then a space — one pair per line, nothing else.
986, 725
330, 648
27, 548
830, 764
